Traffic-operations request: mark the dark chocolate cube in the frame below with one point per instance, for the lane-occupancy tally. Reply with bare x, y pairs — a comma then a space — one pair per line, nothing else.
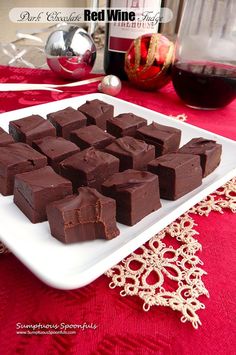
97, 112
30, 128
136, 194
125, 124
133, 153
34, 190
14, 159
91, 136
165, 139
89, 167
178, 174
67, 120
208, 150
82, 217
56, 149
5, 138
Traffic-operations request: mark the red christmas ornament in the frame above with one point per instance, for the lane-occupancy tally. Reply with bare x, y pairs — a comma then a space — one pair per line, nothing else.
148, 61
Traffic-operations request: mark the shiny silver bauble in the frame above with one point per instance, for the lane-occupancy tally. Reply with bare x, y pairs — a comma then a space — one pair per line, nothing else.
70, 52
110, 85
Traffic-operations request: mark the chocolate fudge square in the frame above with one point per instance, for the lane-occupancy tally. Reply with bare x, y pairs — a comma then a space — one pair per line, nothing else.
208, 150
178, 174
133, 153
67, 120
30, 128
136, 194
56, 149
86, 216
91, 136
14, 159
125, 124
34, 190
5, 138
97, 112
165, 139
90, 167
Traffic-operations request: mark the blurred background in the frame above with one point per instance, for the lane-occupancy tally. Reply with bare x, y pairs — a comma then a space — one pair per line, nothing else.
33, 54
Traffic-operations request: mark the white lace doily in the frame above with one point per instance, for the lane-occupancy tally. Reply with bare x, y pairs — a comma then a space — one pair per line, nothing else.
166, 270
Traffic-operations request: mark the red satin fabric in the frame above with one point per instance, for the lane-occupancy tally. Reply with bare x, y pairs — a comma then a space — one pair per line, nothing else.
122, 326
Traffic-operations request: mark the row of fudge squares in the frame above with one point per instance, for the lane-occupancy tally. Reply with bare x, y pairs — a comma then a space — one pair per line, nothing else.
62, 122
131, 152
91, 215
99, 113
165, 139
127, 197
96, 112
178, 173
71, 124
87, 214
91, 167
150, 141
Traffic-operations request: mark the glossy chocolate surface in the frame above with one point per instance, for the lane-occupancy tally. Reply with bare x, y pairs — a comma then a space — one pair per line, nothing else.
125, 124
89, 167
56, 149
30, 128
67, 120
34, 190
14, 159
165, 139
208, 150
133, 153
136, 194
91, 136
97, 112
178, 174
5, 138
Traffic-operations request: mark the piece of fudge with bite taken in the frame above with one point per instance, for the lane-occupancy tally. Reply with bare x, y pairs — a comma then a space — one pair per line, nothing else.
83, 217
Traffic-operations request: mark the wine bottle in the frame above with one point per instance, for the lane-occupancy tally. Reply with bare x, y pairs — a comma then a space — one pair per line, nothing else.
119, 35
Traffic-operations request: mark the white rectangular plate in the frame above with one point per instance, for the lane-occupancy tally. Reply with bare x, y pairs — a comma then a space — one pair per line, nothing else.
72, 266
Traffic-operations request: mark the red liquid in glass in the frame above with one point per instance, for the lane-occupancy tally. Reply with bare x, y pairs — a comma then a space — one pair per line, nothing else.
205, 85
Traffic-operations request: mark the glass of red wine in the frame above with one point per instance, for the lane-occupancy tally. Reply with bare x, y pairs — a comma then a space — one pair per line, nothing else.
204, 65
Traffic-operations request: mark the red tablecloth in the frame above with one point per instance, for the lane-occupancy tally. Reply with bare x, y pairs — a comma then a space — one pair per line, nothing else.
122, 326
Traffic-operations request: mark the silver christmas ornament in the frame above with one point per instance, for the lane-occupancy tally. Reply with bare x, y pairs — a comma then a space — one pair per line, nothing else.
110, 85
70, 52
